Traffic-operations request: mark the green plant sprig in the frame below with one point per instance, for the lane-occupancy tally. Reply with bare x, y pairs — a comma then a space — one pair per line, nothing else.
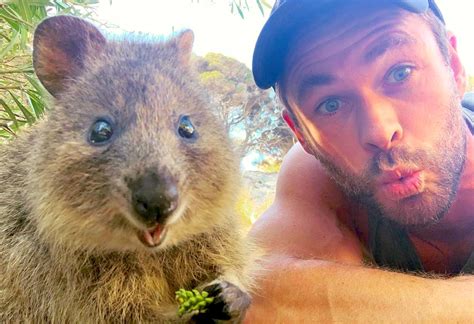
193, 301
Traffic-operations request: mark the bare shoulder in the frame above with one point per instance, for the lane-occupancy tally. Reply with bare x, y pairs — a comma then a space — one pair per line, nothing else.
303, 178
303, 221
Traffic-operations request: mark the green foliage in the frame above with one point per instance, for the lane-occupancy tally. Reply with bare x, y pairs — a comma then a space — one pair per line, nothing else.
211, 76
193, 301
240, 6
22, 97
246, 109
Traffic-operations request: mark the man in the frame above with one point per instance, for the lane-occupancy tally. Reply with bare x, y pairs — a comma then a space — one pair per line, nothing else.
380, 226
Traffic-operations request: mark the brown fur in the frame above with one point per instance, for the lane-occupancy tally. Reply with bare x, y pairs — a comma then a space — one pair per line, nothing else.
69, 252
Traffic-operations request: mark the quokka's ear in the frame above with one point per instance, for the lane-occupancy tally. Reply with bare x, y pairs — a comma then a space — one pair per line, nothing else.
60, 47
184, 43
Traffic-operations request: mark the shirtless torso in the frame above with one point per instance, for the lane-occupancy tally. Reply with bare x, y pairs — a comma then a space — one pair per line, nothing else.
371, 90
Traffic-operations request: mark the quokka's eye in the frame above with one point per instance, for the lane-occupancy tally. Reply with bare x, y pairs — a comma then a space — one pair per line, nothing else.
186, 128
101, 132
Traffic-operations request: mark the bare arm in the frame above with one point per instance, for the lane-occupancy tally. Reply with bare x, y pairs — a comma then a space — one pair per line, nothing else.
315, 270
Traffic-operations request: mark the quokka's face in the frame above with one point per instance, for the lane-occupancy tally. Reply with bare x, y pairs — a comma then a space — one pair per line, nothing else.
134, 157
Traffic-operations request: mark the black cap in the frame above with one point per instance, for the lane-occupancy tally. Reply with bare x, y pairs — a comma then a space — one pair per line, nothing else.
288, 15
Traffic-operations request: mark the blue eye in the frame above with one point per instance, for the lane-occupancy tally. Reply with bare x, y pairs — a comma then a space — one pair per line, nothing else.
399, 74
329, 106
101, 131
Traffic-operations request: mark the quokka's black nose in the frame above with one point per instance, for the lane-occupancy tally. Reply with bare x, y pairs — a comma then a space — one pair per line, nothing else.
154, 196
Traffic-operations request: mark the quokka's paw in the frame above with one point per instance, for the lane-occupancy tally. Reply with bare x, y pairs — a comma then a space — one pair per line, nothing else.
230, 304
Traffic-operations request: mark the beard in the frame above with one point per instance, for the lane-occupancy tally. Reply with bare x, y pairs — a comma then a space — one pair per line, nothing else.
445, 160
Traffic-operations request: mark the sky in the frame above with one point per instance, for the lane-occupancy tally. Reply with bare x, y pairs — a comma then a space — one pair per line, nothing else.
219, 30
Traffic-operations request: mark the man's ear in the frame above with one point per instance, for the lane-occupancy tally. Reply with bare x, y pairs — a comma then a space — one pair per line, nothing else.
459, 72
289, 118
60, 47
184, 43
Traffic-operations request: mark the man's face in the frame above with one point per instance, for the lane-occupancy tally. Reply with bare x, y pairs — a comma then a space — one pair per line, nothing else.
381, 111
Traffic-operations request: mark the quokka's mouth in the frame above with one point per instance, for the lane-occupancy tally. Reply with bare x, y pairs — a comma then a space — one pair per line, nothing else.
153, 237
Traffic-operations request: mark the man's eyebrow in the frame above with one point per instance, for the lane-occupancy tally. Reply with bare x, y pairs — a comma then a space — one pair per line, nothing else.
388, 43
311, 81
392, 41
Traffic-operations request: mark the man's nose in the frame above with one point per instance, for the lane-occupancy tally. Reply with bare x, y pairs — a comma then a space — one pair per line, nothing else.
379, 126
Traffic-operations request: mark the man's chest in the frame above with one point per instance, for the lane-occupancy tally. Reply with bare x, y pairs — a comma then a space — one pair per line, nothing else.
442, 257
447, 254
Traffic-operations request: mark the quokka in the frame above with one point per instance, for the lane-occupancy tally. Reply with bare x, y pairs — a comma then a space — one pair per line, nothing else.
124, 192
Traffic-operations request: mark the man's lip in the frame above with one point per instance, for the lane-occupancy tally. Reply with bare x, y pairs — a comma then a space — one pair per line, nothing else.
400, 184
396, 175
152, 237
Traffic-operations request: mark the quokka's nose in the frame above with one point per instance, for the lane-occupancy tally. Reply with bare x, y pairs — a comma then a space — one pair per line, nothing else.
154, 197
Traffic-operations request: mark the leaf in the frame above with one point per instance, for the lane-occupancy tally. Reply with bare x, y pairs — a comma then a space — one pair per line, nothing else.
14, 41
59, 5
36, 104
6, 132
260, 7
24, 37
15, 17
9, 112
239, 10
36, 85
30, 119
25, 13
38, 3
265, 3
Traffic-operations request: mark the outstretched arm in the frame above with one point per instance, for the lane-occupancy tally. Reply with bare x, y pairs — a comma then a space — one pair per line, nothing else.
315, 270
298, 291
